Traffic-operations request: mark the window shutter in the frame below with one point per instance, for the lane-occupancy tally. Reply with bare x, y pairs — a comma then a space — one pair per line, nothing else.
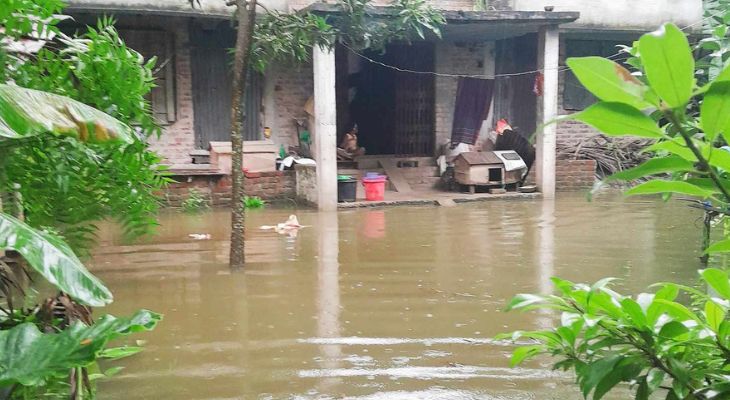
160, 44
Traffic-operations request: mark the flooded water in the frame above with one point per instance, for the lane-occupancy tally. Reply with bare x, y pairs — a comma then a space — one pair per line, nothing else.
395, 303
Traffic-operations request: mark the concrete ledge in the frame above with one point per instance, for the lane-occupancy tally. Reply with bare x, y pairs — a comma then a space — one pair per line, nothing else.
438, 199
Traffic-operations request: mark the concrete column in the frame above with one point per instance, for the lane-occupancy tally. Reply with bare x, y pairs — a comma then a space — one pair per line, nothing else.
548, 49
325, 127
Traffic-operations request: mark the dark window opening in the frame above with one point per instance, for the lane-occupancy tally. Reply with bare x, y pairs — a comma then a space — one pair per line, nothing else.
575, 96
495, 174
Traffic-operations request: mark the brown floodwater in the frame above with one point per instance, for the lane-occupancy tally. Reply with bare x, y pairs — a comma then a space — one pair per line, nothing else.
397, 303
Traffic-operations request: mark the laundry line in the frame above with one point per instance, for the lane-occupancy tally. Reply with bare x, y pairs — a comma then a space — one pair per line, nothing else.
502, 75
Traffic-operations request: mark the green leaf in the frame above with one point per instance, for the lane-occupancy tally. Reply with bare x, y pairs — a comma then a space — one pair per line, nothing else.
656, 186
714, 315
596, 371
677, 310
654, 379
668, 64
718, 280
609, 81
642, 392
30, 357
672, 329
20, 117
715, 111
522, 353
673, 147
116, 353
634, 311
723, 246
653, 166
619, 119
523, 300
54, 260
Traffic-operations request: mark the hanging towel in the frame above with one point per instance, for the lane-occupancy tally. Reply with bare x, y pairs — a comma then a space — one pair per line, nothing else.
473, 98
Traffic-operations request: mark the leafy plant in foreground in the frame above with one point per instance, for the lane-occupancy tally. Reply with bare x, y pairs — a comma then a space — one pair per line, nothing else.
47, 345
650, 341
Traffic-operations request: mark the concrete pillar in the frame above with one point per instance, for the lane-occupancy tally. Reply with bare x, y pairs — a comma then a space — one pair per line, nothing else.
548, 49
325, 127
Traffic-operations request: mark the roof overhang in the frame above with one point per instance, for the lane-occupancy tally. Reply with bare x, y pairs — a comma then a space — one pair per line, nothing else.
476, 25
215, 9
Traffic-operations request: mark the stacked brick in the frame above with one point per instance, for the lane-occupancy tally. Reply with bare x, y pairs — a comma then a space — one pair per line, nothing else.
574, 174
216, 189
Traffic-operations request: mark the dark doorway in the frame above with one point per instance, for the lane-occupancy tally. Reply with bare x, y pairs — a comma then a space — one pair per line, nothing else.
394, 110
211, 81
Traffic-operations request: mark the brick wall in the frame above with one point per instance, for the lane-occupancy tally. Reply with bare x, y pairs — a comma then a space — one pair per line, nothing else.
574, 174
217, 188
292, 86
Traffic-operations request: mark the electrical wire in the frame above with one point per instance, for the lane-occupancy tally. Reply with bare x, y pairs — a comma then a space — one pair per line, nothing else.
503, 75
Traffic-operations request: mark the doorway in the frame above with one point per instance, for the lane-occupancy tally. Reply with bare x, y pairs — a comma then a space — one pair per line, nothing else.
394, 110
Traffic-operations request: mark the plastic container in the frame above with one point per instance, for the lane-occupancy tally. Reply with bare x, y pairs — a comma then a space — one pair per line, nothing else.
346, 189
374, 187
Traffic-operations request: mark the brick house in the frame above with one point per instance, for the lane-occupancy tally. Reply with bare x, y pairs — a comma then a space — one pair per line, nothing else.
192, 99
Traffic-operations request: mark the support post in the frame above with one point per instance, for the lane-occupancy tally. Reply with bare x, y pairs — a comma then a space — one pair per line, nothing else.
325, 129
548, 49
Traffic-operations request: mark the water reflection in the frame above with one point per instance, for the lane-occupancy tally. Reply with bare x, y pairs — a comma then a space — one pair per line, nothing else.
395, 303
545, 255
328, 294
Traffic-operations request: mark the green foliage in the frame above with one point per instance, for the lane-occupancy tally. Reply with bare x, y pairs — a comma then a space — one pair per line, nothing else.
253, 202
30, 357
72, 165
286, 37
662, 104
98, 69
650, 341
65, 184
715, 45
61, 116
54, 260
195, 202
668, 65
68, 185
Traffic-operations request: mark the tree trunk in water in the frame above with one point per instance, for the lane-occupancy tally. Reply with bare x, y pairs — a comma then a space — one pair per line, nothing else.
246, 17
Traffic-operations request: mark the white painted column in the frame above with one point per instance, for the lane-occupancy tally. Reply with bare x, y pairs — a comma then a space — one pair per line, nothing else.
548, 50
325, 127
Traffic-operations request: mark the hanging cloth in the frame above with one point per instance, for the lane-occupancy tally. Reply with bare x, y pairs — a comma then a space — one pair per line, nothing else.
473, 98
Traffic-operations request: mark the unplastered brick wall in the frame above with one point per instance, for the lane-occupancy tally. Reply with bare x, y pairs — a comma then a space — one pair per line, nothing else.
455, 5
216, 189
178, 138
454, 58
292, 86
574, 174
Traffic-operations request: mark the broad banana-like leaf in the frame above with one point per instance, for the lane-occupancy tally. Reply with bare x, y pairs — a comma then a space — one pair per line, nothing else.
27, 112
30, 357
53, 259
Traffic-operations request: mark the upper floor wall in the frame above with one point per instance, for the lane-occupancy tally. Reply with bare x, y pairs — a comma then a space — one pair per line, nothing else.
629, 15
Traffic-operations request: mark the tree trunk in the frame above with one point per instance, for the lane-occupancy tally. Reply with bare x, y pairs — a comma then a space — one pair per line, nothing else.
246, 16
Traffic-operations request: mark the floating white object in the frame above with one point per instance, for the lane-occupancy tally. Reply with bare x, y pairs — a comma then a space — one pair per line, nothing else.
290, 224
200, 236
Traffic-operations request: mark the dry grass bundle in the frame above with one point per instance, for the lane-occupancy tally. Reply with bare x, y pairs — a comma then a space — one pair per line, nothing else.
611, 154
